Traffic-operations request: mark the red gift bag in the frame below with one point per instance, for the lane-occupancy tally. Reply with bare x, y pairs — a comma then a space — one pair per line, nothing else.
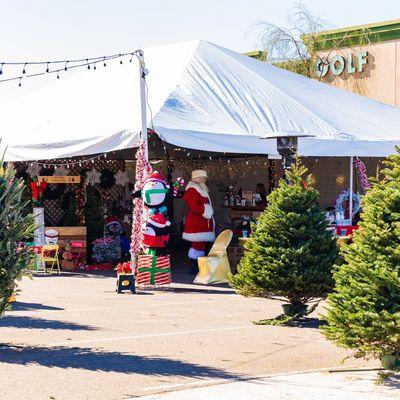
153, 270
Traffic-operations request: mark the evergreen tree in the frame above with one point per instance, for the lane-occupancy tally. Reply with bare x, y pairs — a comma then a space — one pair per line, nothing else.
68, 204
291, 252
15, 227
364, 308
94, 217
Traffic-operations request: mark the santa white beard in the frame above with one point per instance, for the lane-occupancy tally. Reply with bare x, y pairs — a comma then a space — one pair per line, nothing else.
202, 185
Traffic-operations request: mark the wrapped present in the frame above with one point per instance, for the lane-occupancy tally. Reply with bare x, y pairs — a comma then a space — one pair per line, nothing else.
153, 270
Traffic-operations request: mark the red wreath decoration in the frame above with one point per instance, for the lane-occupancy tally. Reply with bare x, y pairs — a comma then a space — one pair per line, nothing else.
37, 191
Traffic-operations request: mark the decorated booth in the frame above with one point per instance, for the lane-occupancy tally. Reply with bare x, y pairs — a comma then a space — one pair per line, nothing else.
210, 107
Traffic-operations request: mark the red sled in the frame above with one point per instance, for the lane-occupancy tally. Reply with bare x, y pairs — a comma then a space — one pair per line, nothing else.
153, 270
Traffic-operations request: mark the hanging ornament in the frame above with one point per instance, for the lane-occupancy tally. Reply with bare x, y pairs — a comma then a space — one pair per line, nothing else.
93, 177
61, 171
33, 170
121, 178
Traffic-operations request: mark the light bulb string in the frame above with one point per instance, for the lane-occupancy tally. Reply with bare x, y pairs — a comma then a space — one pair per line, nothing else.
91, 59
68, 163
86, 62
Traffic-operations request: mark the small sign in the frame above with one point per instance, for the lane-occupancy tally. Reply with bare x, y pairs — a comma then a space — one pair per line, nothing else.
60, 179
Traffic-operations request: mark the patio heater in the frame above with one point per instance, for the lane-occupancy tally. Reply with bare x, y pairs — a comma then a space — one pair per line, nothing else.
287, 145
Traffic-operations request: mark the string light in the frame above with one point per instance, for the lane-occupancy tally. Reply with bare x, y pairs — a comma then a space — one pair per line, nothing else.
67, 162
67, 64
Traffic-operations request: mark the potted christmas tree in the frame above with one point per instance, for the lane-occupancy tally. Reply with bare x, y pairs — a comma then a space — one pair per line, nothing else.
364, 308
291, 252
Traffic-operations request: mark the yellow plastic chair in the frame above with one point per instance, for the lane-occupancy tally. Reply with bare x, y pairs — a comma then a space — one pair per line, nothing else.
215, 268
46, 257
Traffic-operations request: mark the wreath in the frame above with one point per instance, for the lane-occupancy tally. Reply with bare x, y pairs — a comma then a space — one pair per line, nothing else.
341, 202
107, 179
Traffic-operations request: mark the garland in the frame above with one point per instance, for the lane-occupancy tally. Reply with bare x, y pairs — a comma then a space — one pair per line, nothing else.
271, 175
80, 204
143, 169
362, 174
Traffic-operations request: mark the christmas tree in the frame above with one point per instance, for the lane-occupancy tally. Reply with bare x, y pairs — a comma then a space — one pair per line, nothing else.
94, 217
291, 252
68, 204
364, 308
15, 227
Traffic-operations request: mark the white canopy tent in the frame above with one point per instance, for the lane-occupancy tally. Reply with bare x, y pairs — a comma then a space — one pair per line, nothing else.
201, 96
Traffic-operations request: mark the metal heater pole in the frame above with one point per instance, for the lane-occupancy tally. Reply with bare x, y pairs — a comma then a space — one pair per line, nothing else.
351, 191
143, 100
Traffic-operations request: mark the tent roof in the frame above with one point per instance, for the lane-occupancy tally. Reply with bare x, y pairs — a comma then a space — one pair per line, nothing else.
201, 96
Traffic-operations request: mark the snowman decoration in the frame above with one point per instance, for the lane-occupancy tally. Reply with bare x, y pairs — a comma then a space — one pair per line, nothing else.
155, 195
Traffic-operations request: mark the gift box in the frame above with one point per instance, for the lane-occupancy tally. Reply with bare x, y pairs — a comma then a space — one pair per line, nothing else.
153, 270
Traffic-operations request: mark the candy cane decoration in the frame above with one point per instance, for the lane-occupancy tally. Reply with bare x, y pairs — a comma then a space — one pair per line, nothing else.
362, 174
178, 183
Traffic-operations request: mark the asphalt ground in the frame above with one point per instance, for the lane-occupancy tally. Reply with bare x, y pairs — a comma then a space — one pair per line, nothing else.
73, 337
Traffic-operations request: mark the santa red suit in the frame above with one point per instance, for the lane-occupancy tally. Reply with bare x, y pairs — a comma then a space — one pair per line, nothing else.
199, 224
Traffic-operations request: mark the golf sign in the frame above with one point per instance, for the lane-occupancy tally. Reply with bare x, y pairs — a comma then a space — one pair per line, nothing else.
338, 63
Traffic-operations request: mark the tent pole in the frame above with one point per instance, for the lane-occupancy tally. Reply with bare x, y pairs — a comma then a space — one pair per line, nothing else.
351, 191
143, 100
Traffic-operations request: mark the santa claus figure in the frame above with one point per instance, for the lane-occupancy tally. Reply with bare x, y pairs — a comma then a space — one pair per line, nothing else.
199, 224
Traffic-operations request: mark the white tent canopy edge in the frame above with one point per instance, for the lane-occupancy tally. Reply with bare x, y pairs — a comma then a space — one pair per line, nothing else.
201, 96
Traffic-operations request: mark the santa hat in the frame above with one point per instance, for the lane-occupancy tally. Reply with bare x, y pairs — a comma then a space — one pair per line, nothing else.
159, 220
156, 177
199, 173
111, 219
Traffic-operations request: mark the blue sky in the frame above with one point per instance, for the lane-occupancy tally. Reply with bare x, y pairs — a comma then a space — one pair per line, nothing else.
46, 29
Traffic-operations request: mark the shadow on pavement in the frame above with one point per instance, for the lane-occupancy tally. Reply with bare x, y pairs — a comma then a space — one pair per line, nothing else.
16, 321
393, 382
79, 274
202, 289
97, 360
23, 306
314, 323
